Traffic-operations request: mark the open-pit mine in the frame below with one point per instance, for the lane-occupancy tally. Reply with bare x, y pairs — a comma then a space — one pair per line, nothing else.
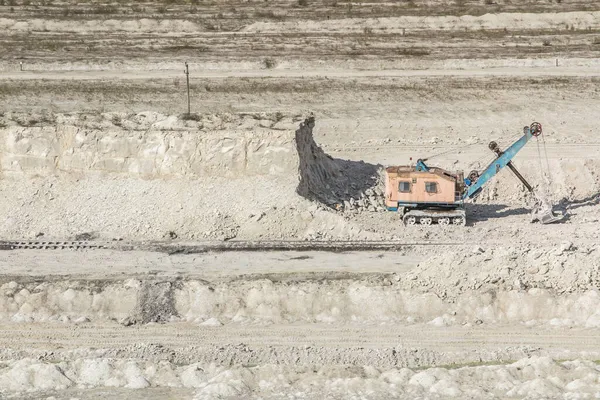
251, 247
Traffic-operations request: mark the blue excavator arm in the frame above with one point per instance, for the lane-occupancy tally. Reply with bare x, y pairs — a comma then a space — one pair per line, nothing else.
503, 159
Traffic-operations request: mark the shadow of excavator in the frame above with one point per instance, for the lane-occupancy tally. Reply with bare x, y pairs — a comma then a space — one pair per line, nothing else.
331, 181
485, 212
566, 204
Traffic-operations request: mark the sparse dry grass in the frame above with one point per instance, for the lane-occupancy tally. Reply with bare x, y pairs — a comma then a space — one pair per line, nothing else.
412, 52
196, 48
367, 42
269, 14
294, 9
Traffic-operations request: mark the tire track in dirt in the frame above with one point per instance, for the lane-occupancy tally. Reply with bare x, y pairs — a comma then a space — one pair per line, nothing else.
412, 346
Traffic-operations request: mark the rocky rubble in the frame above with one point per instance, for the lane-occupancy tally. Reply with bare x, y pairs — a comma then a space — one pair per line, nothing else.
534, 377
565, 268
371, 200
342, 185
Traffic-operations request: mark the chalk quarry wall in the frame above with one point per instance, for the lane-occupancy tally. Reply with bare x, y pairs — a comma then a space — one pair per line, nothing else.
264, 301
147, 175
148, 145
153, 176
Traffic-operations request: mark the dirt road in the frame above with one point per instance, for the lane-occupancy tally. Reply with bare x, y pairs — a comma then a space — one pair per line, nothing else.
127, 74
392, 346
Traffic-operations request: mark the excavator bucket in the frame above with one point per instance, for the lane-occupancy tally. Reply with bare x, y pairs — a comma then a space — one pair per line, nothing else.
544, 213
551, 217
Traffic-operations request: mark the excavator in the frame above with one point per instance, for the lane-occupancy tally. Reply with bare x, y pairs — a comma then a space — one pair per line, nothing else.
425, 195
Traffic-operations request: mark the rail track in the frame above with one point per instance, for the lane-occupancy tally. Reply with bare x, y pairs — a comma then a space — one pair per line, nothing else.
205, 247
51, 245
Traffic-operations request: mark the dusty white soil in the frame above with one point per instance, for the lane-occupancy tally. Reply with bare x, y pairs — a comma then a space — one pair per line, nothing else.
296, 109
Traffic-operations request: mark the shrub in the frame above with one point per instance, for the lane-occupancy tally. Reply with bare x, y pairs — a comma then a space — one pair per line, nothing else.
104, 10
269, 14
190, 117
269, 63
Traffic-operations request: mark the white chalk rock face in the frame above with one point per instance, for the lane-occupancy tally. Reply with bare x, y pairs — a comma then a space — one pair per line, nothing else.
95, 372
536, 377
65, 302
211, 322
228, 383
264, 301
150, 147
134, 376
26, 375
593, 321
193, 376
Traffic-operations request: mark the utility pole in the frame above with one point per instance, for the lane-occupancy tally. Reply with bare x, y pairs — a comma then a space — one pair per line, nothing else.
187, 75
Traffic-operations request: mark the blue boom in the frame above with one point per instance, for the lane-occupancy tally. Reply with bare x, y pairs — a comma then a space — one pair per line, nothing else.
504, 159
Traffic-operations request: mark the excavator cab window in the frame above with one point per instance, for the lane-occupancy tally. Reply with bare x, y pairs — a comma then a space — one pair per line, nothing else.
431, 187
404, 187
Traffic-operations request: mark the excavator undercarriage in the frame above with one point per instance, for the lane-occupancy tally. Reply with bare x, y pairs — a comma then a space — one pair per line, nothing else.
440, 217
